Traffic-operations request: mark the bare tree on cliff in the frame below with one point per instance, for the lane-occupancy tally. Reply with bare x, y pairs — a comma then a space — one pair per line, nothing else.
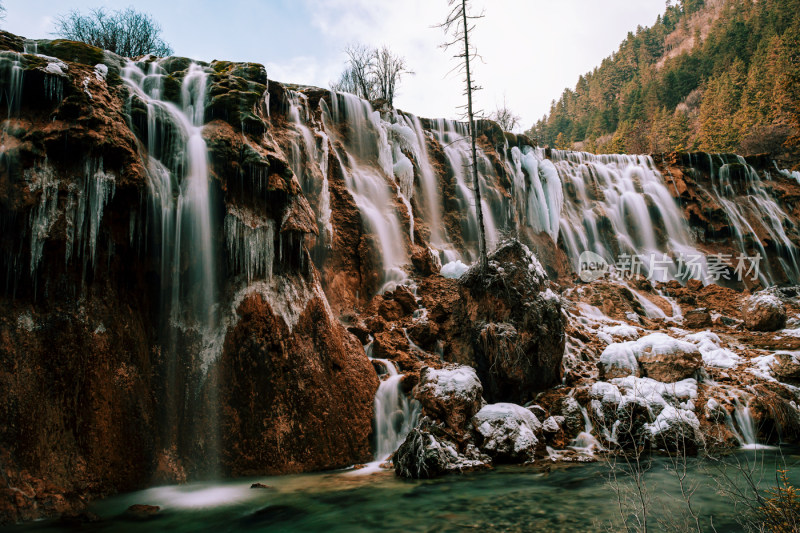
457, 25
126, 32
358, 78
506, 118
372, 73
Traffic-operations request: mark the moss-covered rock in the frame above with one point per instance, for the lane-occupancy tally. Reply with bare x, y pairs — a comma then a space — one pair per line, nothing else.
73, 51
236, 95
9, 41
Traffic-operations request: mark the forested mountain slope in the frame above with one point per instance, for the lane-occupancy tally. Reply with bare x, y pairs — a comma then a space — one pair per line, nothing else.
714, 75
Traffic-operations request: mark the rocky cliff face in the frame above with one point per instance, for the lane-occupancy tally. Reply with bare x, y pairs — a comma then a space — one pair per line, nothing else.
118, 371
196, 261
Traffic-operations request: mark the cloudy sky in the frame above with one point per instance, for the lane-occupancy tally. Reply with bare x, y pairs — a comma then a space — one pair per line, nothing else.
531, 49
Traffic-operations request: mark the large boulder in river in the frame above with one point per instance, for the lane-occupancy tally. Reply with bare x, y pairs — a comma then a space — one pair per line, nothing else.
764, 312
426, 454
452, 395
508, 326
296, 390
507, 432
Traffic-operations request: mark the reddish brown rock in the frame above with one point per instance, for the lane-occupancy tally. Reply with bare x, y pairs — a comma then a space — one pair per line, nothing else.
764, 312
403, 296
671, 367
697, 319
390, 310
425, 262
142, 512
452, 395
787, 367
294, 397
506, 326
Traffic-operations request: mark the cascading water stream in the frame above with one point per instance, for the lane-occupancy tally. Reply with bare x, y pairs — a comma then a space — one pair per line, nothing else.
179, 189
454, 138
747, 432
395, 414
586, 443
768, 220
180, 211
11, 76
607, 210
366, 140
417, 144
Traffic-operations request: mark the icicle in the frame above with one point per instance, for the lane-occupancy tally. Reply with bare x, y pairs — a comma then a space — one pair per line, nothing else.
250, 244
45, 214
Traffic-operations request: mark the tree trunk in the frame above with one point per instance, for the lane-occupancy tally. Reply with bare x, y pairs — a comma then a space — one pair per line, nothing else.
475, 180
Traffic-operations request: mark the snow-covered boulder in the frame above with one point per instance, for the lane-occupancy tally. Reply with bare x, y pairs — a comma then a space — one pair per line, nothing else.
668, 360
452, 395
641, 402
710, 346
424, 455
764, 312
675, 429
551, 424
618, 360
657, 394
507, 432
657, 355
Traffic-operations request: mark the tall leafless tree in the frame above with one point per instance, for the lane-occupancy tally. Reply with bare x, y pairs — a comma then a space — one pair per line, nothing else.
457, 26
126, 32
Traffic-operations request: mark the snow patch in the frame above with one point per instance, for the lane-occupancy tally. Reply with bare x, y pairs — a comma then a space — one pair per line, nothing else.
454, 269
713, 353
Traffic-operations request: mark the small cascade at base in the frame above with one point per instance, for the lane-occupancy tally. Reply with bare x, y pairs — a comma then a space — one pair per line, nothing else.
747, 433
585, 443
395, 414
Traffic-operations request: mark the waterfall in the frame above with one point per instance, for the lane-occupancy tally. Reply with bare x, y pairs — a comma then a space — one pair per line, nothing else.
747, 433
366, 141
454, 138
610, 205
752, 213
395, 414
181, 219
417, 144
180, 205
11, 78
586, 443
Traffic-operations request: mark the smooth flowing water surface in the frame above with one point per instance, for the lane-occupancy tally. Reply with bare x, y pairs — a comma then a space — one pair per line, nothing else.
565, 498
